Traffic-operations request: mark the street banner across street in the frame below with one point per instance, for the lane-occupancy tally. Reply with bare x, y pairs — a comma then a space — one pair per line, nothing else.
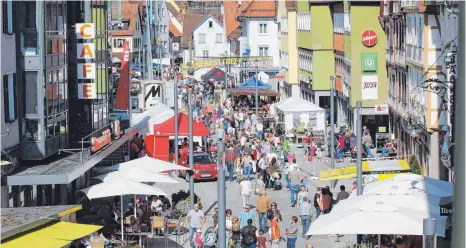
235, 62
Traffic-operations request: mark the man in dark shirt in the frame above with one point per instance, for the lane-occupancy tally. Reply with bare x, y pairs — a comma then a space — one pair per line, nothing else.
248, 235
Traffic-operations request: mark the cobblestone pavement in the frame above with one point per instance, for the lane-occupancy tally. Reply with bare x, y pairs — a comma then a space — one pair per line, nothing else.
208, 193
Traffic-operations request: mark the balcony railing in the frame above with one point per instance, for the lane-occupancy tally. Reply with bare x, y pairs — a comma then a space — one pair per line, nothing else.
400, 57
414, 55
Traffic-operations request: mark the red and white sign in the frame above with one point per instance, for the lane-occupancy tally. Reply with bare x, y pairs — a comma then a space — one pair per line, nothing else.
86, 71
369, 38
87, 91
381, 109
370, 89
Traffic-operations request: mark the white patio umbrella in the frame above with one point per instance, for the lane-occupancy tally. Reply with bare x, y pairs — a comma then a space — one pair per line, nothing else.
136, 174
148, 163
120, 187
374, 218
423, 203
409, 184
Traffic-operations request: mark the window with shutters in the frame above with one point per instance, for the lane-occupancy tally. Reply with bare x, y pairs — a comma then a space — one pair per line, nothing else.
7, 14
9, 97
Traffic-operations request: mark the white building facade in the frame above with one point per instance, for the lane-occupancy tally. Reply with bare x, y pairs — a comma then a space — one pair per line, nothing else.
162, 21
209, 39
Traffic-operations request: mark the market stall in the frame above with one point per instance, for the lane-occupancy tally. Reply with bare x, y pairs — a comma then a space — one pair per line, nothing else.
298, 113
164, 136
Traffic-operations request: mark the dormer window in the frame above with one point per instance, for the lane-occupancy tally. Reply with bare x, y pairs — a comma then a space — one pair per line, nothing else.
210, 24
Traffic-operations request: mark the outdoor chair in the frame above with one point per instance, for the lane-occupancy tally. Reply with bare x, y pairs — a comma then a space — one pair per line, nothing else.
98, 244
158, 223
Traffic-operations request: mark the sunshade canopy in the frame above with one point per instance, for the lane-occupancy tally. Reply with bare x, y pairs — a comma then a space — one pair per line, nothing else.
252, 92
376, 217
215, 74
147, 163
54, 236
368, 167
297, 105
251, 84
167, 128
120, 187
136, 174
410, 184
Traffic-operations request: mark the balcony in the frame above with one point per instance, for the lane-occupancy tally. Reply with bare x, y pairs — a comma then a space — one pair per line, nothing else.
390, 55
415, 55
400, 56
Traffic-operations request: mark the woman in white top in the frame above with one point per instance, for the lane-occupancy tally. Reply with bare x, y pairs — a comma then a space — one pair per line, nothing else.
245, 189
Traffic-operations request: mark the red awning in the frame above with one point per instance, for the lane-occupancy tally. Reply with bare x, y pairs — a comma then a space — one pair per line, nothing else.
168, 127
251, 92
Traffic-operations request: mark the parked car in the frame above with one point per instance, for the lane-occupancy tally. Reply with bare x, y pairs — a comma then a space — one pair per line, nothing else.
204, 167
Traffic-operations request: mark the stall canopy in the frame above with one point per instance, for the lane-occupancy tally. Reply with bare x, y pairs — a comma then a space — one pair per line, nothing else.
54, 236
384, 168
155, 114
298, 113
215, 74
297, 105
252, 92
199, 73
251, 84
167, 128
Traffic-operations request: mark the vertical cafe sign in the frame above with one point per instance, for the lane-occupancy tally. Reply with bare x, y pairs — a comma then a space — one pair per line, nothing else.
85, 54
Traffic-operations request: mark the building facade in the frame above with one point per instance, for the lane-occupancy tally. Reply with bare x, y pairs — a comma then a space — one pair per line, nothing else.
46, 61
129, 29
9, 119
315, 51
259, 34
421, 52
209, 39
366, 72
289, 85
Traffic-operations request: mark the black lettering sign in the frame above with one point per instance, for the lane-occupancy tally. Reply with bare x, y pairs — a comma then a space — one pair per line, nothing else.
154, 92
446, 210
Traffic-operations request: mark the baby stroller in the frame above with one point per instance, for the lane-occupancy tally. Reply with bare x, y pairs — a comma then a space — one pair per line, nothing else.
210, 238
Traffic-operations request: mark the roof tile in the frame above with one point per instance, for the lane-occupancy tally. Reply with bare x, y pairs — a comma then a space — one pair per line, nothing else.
174, 30
190, 22
232, 10
266, 8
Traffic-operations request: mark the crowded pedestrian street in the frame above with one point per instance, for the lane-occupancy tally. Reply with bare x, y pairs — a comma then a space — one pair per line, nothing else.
232, 124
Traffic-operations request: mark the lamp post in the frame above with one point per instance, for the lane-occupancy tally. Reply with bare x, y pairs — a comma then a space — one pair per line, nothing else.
332, 123
359, 147
221, 193
459, 158
257, 88
190, 140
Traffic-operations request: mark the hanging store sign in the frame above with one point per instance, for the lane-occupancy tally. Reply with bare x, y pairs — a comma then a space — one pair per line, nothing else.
86, 51
87, 91
451, 67
381, 109
370, 90
369, 62
176, 46
85, 31
86, 71
98, 143
369, 38
235, 62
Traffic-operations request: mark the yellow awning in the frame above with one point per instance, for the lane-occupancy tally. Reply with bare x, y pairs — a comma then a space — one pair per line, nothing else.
368, 167
53, 236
